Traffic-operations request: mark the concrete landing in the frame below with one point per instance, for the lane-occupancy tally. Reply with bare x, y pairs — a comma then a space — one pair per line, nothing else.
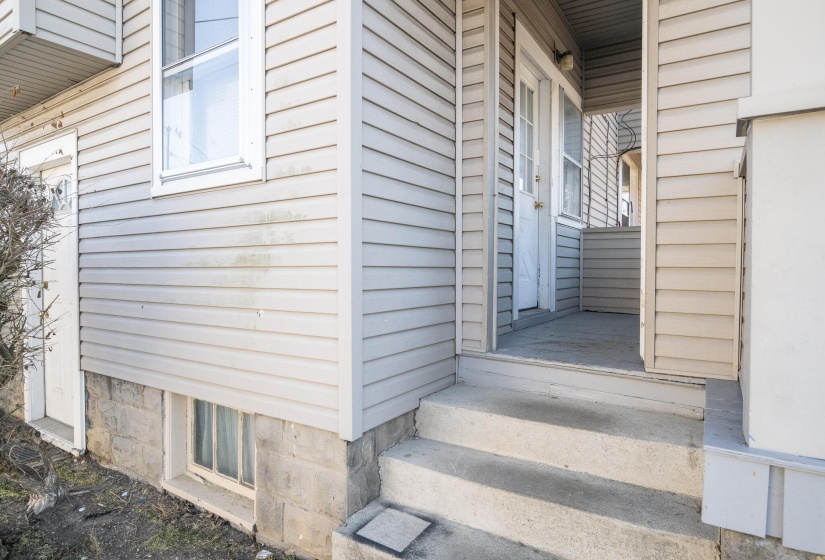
441, 540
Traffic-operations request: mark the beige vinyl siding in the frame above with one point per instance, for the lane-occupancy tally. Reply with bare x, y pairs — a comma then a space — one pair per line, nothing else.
505, 192
568, 262
611, 275
630, 129
600, 172
408, 204
704, 66
613, 77
86, 26
474, 175
227, 295
7, 20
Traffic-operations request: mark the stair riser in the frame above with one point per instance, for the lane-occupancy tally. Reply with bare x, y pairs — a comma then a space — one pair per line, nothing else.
570, 533
656, 465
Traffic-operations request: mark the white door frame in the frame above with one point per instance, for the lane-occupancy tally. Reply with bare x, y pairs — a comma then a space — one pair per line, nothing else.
42, 156
531, 55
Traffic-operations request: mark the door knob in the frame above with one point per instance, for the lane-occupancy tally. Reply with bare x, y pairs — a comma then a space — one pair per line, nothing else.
538, 204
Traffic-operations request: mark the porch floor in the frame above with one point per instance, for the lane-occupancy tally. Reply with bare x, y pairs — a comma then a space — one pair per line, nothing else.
586, 339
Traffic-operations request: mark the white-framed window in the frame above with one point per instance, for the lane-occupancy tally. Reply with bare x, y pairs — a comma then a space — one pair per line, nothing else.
627, 205
221, 446
208, 107
571, 133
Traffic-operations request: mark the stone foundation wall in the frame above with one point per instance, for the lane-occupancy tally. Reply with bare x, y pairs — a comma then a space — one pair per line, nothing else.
738, 546
124, 426
309, 481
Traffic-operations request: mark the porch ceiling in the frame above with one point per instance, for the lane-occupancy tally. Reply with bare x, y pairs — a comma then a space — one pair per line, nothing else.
598, 23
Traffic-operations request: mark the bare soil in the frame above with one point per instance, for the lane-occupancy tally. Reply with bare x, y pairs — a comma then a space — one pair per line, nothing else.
104, 515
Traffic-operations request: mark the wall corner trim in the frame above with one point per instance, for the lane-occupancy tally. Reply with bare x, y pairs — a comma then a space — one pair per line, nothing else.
350, 235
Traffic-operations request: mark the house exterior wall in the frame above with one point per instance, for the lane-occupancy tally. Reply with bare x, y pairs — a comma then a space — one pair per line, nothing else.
630, 129
408, 198
600, 171
698, 65
782, 340
225, 295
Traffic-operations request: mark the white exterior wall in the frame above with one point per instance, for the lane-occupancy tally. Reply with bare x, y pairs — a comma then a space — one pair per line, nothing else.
408, 184
784, 346
227, 295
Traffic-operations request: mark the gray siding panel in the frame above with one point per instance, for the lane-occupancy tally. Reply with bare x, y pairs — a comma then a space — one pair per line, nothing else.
408, 205
474, 175
228, 295
630, 129
568, 242
611, 275
601, 173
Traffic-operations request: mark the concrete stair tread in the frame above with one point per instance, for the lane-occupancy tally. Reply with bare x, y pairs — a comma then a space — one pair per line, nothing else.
651, 449
574, 413
654, 510
442, 540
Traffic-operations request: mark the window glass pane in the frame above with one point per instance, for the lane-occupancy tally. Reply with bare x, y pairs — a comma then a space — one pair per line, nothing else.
572, 130
226, 436
202, 434
191, 26
201, 110
625, 174
248, 452
572, 203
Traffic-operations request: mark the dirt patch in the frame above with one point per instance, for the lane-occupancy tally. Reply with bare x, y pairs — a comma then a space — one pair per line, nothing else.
107, 515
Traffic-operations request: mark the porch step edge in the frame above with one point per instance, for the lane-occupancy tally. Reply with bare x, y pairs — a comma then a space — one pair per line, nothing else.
441, 540
649, 449
573, 515
623, 389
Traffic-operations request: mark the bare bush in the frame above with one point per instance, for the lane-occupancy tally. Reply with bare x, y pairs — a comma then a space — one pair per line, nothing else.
27, 228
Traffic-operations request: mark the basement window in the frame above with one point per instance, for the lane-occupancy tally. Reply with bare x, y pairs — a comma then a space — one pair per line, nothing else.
208, 94
222, 445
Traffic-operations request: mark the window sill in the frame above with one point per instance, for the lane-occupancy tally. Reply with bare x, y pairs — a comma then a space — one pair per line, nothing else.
238, 510
208, 181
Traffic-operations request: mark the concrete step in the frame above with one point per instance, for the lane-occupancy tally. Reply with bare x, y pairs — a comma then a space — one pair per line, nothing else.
402, 532
576, 516
650, 449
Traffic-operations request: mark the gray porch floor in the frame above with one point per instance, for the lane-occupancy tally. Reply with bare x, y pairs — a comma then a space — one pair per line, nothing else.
588, 339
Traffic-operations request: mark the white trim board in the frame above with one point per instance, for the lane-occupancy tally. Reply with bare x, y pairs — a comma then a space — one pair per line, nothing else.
57, 151
350, 224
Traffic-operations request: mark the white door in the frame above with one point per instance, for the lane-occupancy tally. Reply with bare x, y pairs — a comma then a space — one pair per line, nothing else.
528, 195
57, 274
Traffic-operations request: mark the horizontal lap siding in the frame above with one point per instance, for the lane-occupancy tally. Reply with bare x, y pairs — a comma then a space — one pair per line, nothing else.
611, 277
505, 197
613, 77
82, 25
704, 66
600, 181
227, 295
408, 204
474, 176
7, 19
568, 254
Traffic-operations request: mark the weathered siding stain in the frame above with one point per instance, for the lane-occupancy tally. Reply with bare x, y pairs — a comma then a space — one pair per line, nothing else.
228, 295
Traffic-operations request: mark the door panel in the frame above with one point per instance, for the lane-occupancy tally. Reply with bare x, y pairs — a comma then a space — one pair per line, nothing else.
58, 368
528, 200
